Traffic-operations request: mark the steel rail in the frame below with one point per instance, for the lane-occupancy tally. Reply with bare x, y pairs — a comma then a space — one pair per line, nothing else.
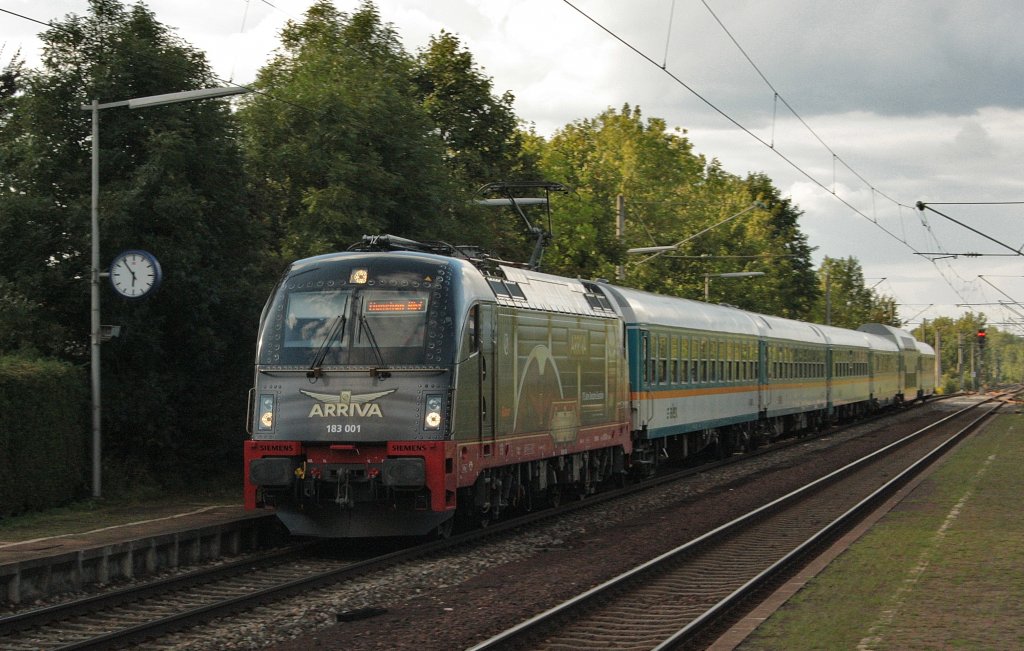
47, 614
842, 523
516, 635
40, 617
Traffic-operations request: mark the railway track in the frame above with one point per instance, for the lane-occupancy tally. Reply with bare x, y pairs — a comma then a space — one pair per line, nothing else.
149, 611
684, 597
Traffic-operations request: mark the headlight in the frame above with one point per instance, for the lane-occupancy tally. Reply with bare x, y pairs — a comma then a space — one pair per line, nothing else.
434, 407
266, 421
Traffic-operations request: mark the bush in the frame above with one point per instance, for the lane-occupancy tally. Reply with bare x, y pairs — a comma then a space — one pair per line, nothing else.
44, 426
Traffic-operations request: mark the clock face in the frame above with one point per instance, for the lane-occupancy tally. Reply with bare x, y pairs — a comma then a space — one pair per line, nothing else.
134, 274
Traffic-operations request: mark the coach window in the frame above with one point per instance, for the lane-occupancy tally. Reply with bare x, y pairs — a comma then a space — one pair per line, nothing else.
737, 361
712, 360
652, 360
734, 360
745, 361
684, 353
674, 360
730, 375
714, 355
702, 357
644, 343
663, 353
755, 362
723, 361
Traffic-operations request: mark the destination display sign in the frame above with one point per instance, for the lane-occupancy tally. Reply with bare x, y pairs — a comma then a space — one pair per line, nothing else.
396, 306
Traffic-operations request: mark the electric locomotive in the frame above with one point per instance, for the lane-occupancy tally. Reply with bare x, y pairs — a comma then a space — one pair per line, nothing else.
399, 384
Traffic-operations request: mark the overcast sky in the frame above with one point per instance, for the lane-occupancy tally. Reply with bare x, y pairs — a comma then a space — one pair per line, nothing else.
896, 102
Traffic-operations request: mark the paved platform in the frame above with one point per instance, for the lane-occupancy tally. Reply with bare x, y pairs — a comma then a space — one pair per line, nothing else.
44, 566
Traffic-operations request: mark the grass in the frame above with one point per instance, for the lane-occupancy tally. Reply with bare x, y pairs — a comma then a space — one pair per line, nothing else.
945, 570
115, 509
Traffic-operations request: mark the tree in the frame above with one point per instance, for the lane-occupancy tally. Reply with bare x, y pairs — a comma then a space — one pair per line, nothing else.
1002, 360
789, 288
338, 143
170, 182
673, 196
482, 140
845, 301
616, 153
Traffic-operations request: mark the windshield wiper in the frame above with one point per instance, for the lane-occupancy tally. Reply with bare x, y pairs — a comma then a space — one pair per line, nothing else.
338, 325
381, 366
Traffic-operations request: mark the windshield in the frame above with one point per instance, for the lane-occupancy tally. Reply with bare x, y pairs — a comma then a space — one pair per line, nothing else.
310, 317
376, 327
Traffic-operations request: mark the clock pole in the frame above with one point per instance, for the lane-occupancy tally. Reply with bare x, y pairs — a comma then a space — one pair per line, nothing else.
95, 301
96, 339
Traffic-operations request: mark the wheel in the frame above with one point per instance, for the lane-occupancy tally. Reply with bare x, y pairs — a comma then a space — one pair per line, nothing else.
444, 530
555, 496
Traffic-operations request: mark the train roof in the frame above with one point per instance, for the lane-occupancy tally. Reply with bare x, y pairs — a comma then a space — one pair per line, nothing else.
856, 339
639, 307
780, 328
473, 285
529, 289
901, 338
925, 349
644, 308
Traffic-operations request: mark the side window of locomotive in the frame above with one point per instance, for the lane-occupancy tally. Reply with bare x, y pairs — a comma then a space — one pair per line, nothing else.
471, 334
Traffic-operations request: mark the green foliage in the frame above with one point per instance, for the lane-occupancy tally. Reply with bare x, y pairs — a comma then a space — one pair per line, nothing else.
616, 153
338, 143
44, 433
845, 301
170, 182
673, 196
788, 288
347, 135
482, 142
965, 366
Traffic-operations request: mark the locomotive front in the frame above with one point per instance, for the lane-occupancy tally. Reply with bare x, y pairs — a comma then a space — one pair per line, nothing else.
351, 405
